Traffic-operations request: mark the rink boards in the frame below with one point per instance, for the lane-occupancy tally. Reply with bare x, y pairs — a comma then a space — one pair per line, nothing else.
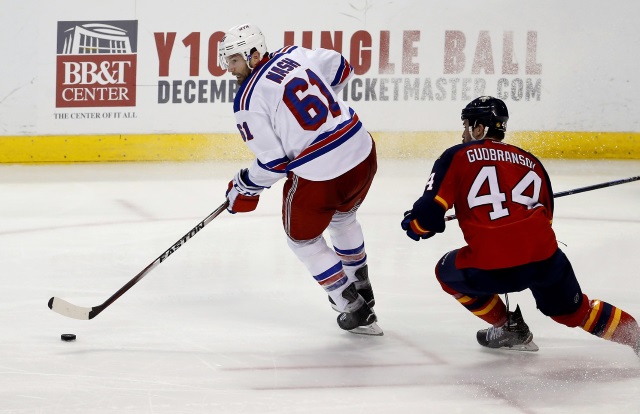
229, 146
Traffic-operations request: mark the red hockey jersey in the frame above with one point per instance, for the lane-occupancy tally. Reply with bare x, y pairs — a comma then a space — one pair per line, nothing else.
503, 201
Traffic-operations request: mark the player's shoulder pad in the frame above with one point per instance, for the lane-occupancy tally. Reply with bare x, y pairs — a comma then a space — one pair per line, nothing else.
449, 153
529, 154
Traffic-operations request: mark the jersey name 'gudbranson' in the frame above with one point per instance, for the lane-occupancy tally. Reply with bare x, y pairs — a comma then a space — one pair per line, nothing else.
491, 154
289, 114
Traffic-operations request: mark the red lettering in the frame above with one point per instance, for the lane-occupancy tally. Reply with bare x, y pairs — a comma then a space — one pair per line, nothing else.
384, 65
509, 67
409, 52
327, 42
483, 58
214, 68
532, 67
193, 43
288, 38
454, 59
164, 45
307, 39
360, 52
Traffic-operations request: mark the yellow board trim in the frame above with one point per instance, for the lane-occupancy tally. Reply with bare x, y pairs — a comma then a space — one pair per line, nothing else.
92, 148
229, 146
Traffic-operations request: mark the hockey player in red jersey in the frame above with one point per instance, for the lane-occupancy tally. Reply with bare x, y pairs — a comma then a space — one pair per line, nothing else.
288, 112
504, 204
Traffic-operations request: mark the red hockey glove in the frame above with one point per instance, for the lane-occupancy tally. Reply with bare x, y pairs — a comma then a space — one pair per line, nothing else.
243, 195
411, 226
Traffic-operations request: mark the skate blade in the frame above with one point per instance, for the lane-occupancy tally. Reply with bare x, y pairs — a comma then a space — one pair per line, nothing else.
373, 330
530, 347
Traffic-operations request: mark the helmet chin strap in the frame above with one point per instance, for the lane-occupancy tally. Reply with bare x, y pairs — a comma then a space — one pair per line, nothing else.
486, 130
247, 61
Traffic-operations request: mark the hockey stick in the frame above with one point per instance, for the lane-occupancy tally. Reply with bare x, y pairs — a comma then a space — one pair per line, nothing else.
70, 310
579, 190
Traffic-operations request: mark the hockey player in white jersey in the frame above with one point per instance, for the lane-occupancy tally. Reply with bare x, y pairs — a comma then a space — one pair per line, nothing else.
288, 113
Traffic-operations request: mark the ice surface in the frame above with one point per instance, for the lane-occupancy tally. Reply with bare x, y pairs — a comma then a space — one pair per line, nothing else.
232, 323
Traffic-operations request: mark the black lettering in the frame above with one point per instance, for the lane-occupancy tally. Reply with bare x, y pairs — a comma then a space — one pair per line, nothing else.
369, 89
189, 95
411, 90
427, 91
356, 93
533, 91
202, 91
218, 92
176, 92
442, 92
164, 89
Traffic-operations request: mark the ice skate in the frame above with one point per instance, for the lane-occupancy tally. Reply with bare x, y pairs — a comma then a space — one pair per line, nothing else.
514, 335
361, 321
363, 286
358, 317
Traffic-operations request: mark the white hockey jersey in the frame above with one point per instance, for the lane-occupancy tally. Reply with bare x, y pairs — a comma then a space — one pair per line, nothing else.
288, 113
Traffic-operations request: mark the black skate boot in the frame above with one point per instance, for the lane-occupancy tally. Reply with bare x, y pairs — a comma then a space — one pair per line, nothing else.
363, 286
359, 318
513, 335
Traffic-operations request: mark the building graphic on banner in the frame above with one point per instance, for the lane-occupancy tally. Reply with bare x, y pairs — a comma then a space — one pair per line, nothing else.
96, 64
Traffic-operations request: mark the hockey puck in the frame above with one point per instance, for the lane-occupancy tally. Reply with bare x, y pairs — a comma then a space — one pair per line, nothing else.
68, 337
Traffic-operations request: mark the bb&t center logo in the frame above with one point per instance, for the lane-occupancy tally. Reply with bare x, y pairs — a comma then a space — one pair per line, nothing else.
96, 63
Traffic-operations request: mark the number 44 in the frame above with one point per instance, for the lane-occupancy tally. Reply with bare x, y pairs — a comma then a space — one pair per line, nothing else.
496, 197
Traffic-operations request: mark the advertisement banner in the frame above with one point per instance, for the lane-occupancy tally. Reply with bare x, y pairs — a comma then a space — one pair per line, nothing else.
151, 67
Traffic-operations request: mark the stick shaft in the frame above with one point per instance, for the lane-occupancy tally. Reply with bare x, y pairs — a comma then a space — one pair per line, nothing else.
596, 186
70, 310
579, 190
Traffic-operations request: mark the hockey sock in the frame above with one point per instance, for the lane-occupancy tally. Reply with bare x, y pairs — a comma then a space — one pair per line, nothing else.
352, 259
334, 281
609, 322
325, 267
348, 242
490, 309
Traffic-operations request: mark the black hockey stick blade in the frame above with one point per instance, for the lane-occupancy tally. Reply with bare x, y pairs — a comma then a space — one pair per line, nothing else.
579, 190
70, 310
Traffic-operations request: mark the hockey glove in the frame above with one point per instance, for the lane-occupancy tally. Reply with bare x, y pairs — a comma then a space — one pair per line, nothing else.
243, 195
413, 229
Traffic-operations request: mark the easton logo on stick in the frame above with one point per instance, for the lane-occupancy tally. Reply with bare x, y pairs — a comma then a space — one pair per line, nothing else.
182, 241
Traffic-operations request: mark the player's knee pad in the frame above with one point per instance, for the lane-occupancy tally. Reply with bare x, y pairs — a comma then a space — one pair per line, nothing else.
345, 225
575, 318
440, 268
445, 287
307, 248
340, 219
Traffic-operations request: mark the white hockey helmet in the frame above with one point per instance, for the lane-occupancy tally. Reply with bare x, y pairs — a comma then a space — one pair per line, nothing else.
241, 39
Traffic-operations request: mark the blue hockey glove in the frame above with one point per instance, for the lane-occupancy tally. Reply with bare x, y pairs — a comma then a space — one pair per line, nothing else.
413, 229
